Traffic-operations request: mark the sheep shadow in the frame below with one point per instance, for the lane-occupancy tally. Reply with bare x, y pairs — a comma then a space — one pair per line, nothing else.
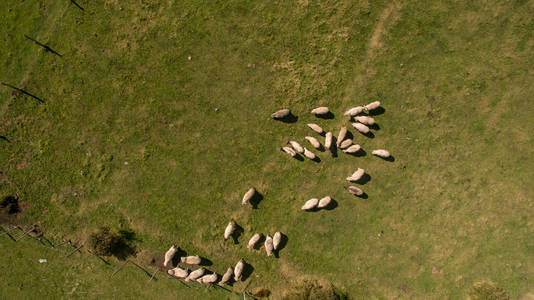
291, 118
327, 116
248, 269
205, 262
298, 157
363, 196
370, 134
256, 199
283, 243
375, 126
333, 148
260, 243
333, 204
365, 179
358, 153
377, 111
391, 158
238, 231
4, 138
317, 159
176, 258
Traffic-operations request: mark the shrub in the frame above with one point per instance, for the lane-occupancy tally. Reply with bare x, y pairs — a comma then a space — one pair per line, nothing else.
105, 242
487, 290
313, 289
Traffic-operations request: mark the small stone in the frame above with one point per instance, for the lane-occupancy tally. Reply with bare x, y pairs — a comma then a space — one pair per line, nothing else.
125, 163
189, 58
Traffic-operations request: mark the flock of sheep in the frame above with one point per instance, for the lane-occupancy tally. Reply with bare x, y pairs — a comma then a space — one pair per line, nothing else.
360, 120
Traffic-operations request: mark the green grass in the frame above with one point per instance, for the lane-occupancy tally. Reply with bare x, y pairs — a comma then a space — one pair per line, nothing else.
455, 80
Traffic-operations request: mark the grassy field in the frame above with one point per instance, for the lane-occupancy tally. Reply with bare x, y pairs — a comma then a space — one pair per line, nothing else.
134, 135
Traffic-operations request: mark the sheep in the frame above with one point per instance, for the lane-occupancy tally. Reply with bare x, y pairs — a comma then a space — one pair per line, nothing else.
253, 240
229, 230
354, 190
360, 127
277, 239
328, 140
320, 110
324, 202
352, 149
269, 245
191, 260
248, 195
289, 151
195, 274
313, 141
296, 146
210, 278
310, 204
341, 135
354, 111
281, 114
226, 277
356, 175
309, 154
381, 153
372, 105
345, 144
365, 120
169, 255
315, 128
239, 269
178, 272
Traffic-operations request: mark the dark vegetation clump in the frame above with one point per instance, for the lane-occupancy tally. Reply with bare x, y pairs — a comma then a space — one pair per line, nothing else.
487, 290
261, 292
106, 242
10, 205
314, 289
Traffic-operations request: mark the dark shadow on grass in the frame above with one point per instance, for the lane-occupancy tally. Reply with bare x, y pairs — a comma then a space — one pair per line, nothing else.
256, 199
375, 126
328, 115
333, 204
333, 147
365, 179
363, 196
10, 204
4, 138
237, 233
291, 118
260, 242
205, 262
358, 153
283, 243
247, 271
370, 134
317, 159
391, 158
179, 254
377, 111
298, 157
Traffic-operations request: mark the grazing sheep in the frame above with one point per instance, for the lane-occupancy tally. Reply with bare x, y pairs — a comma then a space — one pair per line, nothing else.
313, 141
320, 110
289, 151
191, 260
253, 240
328, 140
226, 277
372, 105
195, 274
345, 144
310, 204
356, 175
324, 202
381, 153
316, 128
309, 154
365, 120
269, 245
341, 135
277, 239
178, 272
296, 146
354, 190
352, 149
354, 111
360, 127
210, 278
239, 269
281, 114
248, 195
229, 230
169, 255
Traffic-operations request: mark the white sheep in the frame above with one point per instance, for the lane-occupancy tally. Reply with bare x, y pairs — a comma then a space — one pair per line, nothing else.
289, 151
352, 149
248, 195
191, 260
281, 114
169, 255
313, 141
310, 204
277, 239
178, 272
226, 277
354, 111
210, 278
346, 143
381, 153
372, 105
328, 140
365, 120
356, 175
324, 202
360, 127
253, 240
320, 110
354, 190
296, 146
269, 245
309, 154
195, 274
341, 135
315, 128
239, 269
229, 230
